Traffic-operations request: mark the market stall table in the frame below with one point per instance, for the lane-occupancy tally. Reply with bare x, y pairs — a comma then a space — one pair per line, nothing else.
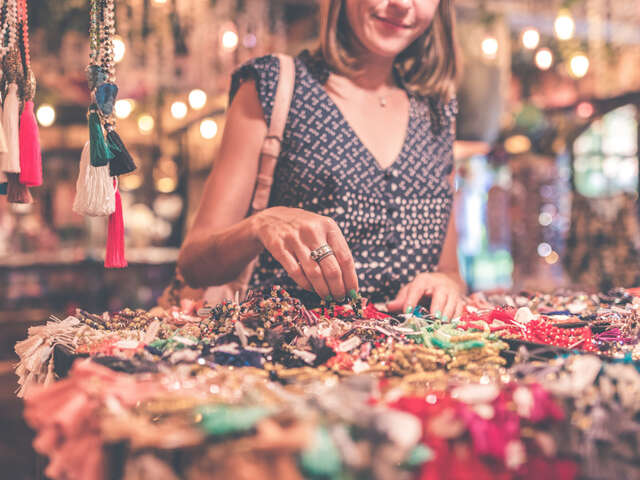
267, 388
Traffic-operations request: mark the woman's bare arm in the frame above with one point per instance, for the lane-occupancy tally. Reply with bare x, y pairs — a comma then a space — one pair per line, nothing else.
221, 241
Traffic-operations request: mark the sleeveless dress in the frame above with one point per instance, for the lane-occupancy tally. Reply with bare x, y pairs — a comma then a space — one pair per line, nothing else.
394, 219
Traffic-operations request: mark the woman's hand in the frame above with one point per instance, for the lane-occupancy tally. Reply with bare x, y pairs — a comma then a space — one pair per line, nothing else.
290, 234
446, 290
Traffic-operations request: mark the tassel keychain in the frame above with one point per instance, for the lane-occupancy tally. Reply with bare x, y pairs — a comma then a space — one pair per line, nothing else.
114, 257
30, 154
103, 159
7, 45
3, 139
16, 191
10, 120
29, 137
3, 153
95, 195
122, 162
100, 153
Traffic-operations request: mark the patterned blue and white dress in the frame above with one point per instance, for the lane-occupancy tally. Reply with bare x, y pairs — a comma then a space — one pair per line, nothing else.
394, 219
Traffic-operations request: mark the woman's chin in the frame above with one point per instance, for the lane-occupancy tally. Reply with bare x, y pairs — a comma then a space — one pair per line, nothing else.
386, 50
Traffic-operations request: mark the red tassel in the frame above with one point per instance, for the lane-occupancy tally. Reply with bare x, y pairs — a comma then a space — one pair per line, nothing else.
114, 257
30, 154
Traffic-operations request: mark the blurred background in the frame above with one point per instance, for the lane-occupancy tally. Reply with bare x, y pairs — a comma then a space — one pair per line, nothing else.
547, 150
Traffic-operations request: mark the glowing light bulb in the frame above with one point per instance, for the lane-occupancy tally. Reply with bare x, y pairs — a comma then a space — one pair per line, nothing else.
179, 109
544, 249
208, 128
145, 123
123, 108
545, 219
530, 38
579, 65
249, 40
516, 144
544, 59
159, 2
489, 47
46, 115
197, 99
552, 258
119, 49
229, 37
564, 25
584, 109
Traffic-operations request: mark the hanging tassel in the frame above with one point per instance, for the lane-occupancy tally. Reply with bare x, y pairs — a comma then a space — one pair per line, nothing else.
17, 192
30, 155
122, 162
100, 153
10, 118
95, 195
114, 257
3, 139
3, 154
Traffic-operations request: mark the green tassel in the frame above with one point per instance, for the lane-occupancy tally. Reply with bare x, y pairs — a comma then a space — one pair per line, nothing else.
100, 153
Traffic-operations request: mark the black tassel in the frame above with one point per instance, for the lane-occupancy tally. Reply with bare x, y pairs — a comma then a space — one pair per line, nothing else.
122, 162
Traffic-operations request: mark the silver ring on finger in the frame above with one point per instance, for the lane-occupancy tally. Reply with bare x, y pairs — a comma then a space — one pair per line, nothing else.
321, 252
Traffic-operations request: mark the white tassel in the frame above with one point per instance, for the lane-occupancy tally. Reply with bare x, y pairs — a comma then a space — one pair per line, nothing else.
3, 147
10, 161
3, 139
95, 193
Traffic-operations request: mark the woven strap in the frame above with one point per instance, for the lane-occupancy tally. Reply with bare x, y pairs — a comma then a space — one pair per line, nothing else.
273, 141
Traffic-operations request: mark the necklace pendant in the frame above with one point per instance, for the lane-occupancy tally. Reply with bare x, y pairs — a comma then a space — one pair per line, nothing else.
383, 102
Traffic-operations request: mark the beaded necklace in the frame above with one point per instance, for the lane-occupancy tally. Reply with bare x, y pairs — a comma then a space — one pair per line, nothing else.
104, 159
8, 32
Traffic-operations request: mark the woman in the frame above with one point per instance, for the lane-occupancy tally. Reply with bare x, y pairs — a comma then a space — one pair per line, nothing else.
365, 166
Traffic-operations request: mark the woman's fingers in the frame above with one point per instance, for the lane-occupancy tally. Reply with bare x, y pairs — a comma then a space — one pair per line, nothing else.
333, 276
459, 309
450, 307
311, 269
438, 301
291, 264
397, 303
415, 293
343, 256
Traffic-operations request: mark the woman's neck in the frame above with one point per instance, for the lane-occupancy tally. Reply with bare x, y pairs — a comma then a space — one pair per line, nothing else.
374, 73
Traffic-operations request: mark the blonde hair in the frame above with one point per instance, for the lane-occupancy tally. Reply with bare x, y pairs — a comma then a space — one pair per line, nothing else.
429, 66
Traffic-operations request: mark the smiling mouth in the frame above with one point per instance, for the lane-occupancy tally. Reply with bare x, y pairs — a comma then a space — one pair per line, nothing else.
393, 23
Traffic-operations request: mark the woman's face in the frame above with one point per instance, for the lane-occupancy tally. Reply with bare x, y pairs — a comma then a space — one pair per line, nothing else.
387, 27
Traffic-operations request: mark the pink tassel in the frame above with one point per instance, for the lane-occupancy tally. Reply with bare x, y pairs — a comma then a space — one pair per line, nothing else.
114, 258
30, 154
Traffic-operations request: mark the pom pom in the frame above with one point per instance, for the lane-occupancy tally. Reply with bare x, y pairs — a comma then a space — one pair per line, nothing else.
100, 153
114, 257
10, 161
122, 162
16, 192
30, 155
95, 195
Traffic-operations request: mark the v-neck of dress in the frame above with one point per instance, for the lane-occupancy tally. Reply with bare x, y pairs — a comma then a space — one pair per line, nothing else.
398, 158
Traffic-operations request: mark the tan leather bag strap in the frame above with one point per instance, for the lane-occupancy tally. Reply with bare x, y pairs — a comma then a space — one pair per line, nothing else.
273, 141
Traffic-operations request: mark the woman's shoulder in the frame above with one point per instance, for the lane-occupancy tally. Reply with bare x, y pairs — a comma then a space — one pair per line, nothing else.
264, 71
